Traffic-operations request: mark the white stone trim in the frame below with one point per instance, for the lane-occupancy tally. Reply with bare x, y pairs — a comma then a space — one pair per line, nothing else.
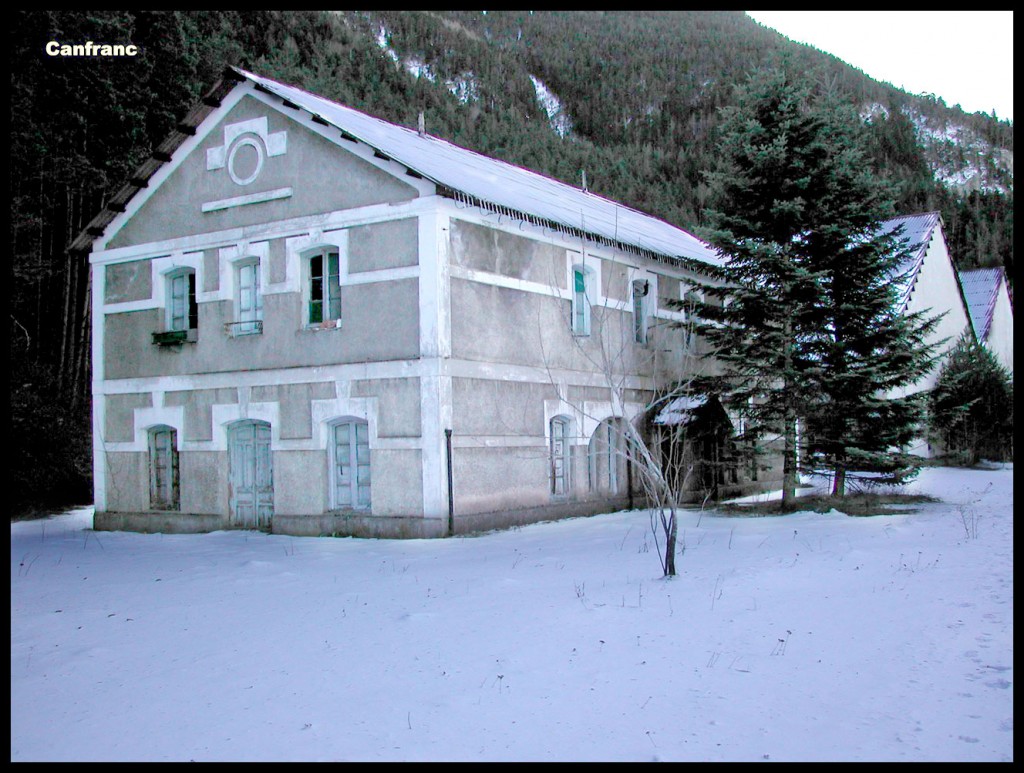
250, 198
508, 282
278, 229
333, 135
329, 411
383, 275
591, 292
496, 441
147, 418
450, 368
434, 238
299, 250
228, 260
276, 144
424, 187
225, 414
596, 411
562, 407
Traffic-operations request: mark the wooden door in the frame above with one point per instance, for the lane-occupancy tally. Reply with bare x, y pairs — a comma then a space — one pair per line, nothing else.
351, 466
251, 474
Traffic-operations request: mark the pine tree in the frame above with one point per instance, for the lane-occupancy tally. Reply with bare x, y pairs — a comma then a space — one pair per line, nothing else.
971, 407
806, 322
756, 316
869, 351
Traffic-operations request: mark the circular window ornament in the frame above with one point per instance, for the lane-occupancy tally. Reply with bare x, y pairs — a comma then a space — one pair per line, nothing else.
242, 169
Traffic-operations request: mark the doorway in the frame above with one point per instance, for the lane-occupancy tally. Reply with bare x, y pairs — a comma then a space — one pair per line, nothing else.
251, 475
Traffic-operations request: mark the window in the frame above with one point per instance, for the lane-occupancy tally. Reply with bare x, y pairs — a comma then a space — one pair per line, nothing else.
607, 457
641, 287
182, 318
324, 287
582, 292
182, 311
163, 468
561, 467
691, 299
350, 465
248, 299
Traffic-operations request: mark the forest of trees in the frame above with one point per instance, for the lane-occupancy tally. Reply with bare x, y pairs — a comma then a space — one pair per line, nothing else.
643, 91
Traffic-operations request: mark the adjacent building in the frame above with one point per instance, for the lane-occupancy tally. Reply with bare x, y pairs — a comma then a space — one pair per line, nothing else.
988, 303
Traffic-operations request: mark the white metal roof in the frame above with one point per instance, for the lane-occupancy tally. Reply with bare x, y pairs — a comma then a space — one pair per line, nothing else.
917, 233
498, 183
981, 287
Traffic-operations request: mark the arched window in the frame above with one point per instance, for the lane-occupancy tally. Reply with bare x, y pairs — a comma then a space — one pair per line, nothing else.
582, 295
350, 465
163, 468
607, 458
560, 456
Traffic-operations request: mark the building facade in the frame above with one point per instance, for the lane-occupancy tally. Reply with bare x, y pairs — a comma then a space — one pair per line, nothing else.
312, 322
930, 286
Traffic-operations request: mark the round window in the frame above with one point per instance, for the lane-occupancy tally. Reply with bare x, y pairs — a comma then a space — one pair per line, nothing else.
245, 161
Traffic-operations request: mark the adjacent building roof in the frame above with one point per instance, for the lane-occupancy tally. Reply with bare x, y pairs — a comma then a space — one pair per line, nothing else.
917, 233
459, 173
680, 410
981, 288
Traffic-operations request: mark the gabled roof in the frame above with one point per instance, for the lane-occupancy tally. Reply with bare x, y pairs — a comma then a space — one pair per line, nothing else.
163, 153
917, 233
981, 289
466, 176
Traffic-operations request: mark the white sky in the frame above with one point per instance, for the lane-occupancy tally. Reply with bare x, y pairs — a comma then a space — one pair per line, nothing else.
964, 57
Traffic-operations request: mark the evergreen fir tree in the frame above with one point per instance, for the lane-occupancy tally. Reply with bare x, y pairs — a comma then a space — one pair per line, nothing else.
870, 352
756, 316
971, 407
806, 323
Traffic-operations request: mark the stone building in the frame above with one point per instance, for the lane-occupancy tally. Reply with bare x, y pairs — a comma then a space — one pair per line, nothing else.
311, 321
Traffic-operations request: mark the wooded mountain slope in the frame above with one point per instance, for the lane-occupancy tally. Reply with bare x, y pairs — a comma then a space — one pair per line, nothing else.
629, 99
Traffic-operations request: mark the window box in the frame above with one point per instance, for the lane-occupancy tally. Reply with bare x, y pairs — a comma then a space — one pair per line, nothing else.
172, 337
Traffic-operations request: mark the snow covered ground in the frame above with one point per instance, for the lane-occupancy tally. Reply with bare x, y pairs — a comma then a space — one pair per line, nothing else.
804, 637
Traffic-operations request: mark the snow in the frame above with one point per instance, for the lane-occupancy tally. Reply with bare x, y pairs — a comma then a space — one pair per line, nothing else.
383, 36
804, 637
960, 158
464, 87
959, 155
558, 119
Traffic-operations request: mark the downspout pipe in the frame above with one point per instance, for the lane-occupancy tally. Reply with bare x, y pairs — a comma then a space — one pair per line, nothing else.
451, 496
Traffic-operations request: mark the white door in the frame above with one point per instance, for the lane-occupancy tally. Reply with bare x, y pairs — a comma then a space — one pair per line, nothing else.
251, 474
163, 472
352, 466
